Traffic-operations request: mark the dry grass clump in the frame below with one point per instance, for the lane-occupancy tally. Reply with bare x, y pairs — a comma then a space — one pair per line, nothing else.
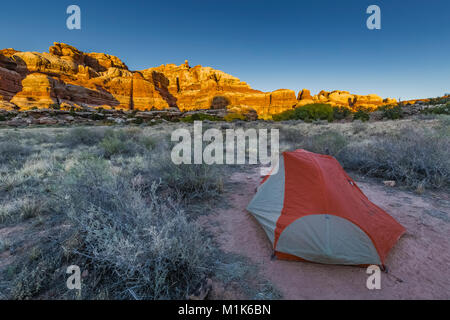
140, 243
108, 142
13, 151
115, 205
192, 182
329, 142
126, 142
82, 136
135, 242
22, 209
416, 158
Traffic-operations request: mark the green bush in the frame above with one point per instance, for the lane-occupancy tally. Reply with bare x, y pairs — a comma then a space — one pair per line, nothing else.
308, 113
443, 109
392, 112
439, 100
340, 113
113, 145
230, 117
97, 116
6, 116
361, 115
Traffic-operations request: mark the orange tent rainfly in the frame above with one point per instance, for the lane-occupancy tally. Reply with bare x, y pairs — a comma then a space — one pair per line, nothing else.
312, 210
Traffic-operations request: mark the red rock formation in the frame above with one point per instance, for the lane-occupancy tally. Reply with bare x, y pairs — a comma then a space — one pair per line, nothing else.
343, 98
72, 78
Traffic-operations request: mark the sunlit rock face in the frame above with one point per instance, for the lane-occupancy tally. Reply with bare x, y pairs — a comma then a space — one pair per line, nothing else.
70, 78
344, 98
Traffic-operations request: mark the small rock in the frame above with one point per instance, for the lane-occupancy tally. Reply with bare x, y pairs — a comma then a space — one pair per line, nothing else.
47, 120
389, 183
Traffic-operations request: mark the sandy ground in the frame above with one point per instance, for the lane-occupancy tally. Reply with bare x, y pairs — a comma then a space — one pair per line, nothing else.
418, 264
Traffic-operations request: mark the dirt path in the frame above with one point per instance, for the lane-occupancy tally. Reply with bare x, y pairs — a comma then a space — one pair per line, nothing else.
418, 264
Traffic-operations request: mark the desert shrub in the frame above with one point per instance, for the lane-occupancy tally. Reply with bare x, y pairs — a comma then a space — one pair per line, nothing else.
37, 272
392, 112
37, 137
131, 114
284, 116
83, 136
444, 124
200, 117
197, 181
315, 112
361, 115
188, 181
329, 142
125, 142
97, 116
114, 145
415, 158
308, 113
442, 109
219, 102
13, 150
22, 209
4, 245
439, 100
290, 135
234, 116
138, 121
111, 141
340, 113
358, 126
137, 247
10, 181
12, 136
147, 142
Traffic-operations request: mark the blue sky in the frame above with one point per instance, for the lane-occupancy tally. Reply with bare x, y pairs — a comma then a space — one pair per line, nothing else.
314, 44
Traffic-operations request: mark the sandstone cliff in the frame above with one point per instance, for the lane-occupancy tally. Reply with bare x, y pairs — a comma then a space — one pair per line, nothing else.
344, 98
73, 79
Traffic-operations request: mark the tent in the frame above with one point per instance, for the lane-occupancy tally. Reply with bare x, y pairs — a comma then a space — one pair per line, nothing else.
311, 210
